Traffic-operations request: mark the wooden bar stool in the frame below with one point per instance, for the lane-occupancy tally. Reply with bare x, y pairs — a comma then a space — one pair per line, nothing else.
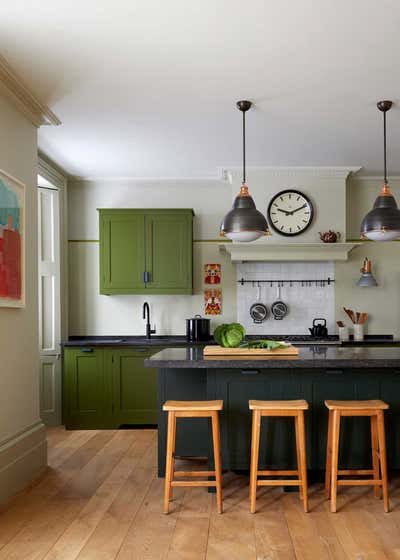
374, 409
293, 408
192, 409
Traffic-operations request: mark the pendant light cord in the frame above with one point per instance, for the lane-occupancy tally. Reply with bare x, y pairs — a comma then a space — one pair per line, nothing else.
244, 148
385, 180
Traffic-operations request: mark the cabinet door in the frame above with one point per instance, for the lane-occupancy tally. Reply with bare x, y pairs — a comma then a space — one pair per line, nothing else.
122, 254
277, 441
169, 253
87, 395
134, 387
355, 438
390, 393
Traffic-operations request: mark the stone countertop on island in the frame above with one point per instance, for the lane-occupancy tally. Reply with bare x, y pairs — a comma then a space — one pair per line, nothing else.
309, 357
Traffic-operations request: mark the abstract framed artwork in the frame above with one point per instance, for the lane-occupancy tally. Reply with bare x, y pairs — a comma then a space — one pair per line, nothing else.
12, 241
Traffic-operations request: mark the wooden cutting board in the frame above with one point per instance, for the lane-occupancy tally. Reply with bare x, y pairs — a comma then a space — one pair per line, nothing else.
220, 351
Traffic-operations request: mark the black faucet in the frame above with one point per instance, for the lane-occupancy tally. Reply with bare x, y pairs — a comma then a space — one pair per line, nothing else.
146, 314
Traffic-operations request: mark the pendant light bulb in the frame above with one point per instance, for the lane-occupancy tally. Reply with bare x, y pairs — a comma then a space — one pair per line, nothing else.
382, 223
244, 223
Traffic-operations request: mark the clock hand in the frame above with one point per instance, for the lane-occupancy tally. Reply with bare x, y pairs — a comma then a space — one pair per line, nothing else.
284, 211
297, 209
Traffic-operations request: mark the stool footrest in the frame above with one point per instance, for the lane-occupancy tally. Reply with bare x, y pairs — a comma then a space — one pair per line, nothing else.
279, 482
360, 482
277, 473
193, 483
352, 472
194, 473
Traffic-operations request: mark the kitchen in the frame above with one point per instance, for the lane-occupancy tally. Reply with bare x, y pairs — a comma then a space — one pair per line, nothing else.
140, 433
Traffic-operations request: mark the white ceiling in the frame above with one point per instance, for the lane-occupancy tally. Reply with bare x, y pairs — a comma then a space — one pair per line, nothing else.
148, 88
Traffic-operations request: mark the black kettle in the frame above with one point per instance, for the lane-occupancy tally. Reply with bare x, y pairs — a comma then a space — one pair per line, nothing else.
319, 330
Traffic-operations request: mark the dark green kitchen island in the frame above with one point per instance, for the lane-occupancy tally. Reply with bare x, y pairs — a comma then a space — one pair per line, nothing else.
318, 373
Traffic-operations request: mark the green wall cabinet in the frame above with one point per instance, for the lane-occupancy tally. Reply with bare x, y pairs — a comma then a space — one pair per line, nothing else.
105, 388
146, 251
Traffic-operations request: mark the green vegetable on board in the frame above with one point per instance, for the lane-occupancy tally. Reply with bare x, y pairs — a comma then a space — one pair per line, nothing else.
229, 335
267, 344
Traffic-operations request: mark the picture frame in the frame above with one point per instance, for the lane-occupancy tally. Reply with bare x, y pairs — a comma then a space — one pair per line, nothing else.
12, 241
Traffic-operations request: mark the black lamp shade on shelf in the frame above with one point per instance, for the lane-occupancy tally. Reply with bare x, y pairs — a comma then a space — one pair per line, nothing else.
244, 222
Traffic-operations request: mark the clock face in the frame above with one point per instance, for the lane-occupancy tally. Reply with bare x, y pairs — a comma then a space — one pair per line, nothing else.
290, 212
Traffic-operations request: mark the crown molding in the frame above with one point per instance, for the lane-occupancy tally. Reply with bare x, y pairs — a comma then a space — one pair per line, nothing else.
49, 171
327, 172
127, 179
18, 93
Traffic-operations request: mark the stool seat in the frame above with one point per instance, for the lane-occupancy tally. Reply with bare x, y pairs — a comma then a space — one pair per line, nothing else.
279, 405
183, 406
356, 405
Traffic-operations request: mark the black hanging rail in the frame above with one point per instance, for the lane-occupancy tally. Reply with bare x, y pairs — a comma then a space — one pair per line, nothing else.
281, 283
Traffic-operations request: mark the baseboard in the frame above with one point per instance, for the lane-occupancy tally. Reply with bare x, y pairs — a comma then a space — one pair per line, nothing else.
22, 459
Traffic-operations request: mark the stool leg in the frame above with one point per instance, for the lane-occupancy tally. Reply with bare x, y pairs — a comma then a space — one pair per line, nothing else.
296, 425
328, 468
169, 468
335, 457
255, 446
375, 452
217, 458
382, 457
299, 419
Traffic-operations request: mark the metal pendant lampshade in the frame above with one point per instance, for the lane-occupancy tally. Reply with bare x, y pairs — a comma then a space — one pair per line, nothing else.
244, 222
382, 223
367, 279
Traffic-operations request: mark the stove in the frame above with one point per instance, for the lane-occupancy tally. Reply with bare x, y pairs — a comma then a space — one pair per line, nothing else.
302, 339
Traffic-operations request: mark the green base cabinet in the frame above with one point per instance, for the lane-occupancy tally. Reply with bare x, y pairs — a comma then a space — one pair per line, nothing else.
134, 387
86, 389
106, 388
146, 251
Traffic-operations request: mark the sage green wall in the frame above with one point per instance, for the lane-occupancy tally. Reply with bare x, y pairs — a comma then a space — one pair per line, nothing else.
91, 313
22, 438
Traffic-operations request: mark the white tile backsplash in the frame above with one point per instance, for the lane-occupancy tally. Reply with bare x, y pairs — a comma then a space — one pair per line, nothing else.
305, 302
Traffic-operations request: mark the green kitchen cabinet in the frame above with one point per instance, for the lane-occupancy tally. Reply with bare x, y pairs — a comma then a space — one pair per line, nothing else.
86, 389
108, 387
145, 251
134, 387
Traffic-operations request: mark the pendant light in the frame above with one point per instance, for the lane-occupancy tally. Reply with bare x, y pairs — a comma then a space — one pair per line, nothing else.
244, 222
382, 223
367, 279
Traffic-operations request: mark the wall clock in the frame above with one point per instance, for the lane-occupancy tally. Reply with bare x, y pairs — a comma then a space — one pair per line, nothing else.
290, 212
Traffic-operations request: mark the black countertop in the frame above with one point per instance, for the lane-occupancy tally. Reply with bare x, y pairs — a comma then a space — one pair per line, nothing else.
180, 340
126, 341
309, 357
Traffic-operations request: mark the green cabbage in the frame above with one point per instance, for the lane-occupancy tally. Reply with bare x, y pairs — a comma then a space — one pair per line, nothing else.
229, 335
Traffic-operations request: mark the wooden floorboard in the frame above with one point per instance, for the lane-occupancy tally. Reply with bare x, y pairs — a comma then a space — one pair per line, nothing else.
100, 499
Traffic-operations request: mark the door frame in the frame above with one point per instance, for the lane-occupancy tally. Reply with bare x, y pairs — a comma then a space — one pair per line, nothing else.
50, 177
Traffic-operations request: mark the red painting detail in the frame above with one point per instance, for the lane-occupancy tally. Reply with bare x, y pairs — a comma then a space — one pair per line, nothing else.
10, 262
212, 273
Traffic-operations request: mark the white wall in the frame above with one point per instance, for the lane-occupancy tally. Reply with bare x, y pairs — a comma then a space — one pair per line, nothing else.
21, 432
93, 314
305, 302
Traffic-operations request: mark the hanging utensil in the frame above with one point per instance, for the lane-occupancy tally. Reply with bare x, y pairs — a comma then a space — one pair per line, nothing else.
259, 311
279, 309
